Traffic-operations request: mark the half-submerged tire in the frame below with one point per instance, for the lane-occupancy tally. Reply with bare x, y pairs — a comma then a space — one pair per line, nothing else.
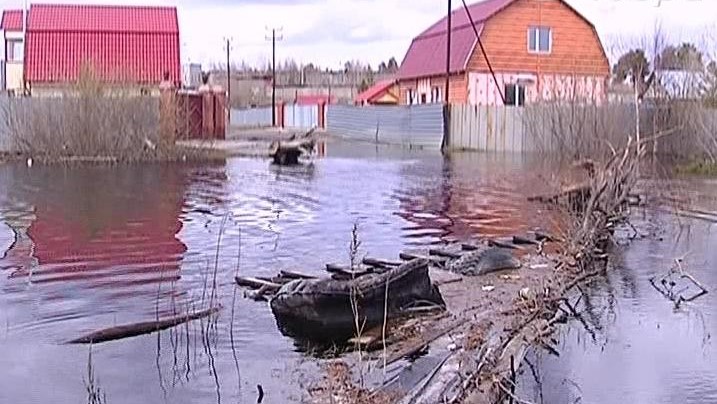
483, 261
321, 308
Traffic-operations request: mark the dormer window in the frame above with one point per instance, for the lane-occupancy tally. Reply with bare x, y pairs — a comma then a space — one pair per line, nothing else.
540, 39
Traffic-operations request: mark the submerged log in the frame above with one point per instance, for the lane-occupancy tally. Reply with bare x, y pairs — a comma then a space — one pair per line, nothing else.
148, 327
322, 308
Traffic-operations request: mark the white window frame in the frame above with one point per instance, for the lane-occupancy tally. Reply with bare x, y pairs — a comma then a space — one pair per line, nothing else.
535, 31
11, 56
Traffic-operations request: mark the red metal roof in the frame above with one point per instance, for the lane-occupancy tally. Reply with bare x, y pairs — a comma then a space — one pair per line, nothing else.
314, 99
121, 19
375, 90
480, 12
11, 20
135, 44
427, 54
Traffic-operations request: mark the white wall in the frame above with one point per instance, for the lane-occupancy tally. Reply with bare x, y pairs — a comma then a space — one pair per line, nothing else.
482, 89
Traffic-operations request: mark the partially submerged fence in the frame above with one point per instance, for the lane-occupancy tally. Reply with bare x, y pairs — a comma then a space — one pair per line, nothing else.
287, 116
488, 128
412, 126
567, 128
251, 117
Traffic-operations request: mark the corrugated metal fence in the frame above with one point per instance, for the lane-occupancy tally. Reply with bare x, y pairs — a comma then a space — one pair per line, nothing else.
412, 126
301, 116
252, 117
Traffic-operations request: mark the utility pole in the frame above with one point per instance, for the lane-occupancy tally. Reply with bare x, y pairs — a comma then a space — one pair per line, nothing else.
274, 38
449, 27
229, 78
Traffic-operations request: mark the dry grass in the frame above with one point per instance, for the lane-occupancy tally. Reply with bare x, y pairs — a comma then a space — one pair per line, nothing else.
337, 387
92, 122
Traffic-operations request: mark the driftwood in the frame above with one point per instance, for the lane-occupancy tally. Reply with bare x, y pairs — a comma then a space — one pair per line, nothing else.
256, 283
294, 275
148, 327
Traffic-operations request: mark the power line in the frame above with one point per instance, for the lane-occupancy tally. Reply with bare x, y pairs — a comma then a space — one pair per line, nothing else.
273, 39
482, 49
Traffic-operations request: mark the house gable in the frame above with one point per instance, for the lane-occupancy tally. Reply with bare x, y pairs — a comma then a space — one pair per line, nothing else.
575, 50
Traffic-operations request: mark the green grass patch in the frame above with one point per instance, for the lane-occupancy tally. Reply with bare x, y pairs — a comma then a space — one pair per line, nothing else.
698, 167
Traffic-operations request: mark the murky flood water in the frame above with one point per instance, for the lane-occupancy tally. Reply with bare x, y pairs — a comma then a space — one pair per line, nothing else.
633, 346
82, 248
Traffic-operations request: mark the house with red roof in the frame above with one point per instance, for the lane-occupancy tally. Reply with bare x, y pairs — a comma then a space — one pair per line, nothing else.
538, 50
14, 41
117, 44
384, 92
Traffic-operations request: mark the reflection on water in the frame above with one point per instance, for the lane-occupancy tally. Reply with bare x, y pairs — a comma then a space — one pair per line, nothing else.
632, 346
90, 247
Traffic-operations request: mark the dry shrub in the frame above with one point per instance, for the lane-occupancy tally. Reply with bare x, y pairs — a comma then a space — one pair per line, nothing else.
89, 119
575, 130
338, 387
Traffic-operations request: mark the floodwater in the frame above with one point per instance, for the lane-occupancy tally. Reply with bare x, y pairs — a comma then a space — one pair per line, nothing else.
633, 346
83, 248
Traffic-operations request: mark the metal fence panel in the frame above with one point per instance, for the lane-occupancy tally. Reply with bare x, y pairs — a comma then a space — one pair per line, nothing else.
301, 116
412, 126
252, 117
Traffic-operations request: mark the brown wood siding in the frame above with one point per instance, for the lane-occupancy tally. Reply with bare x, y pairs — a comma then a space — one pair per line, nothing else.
458, 91
576, 47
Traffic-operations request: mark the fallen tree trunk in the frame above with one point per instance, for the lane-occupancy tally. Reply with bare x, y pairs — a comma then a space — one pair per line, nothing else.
147, 327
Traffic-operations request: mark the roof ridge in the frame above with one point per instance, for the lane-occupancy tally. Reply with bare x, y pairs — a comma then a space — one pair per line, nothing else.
115, 6
453, 29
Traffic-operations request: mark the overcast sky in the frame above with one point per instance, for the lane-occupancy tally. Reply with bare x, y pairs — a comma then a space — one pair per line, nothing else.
330, 32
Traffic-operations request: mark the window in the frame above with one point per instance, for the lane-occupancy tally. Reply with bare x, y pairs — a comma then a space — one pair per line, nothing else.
436, 95
514, 94
409, 96
14, 50
423, 98
540, 39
